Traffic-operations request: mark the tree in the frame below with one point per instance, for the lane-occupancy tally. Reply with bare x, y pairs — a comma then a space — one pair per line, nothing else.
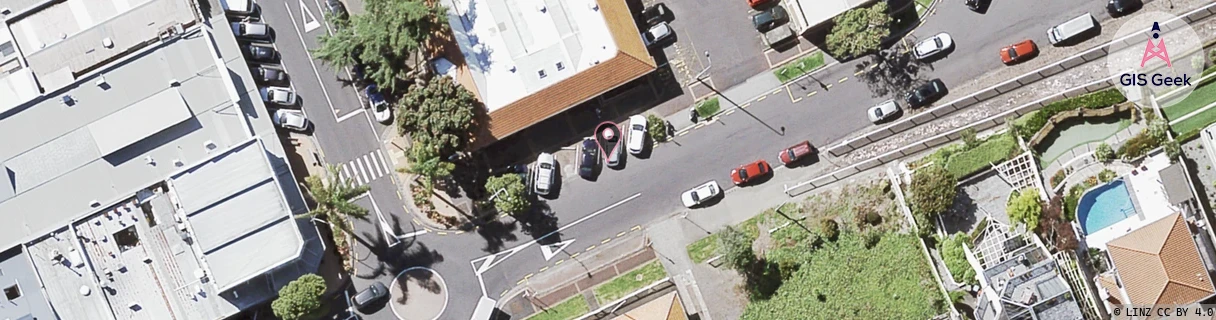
969, 139
1104, 153
933, 190
955, 258
425, 161
1026, 208
859, 31
1172, 150
736, 249
830, 229
332, 199
300, 298
511, 193
386, 39
439, 114
657, 128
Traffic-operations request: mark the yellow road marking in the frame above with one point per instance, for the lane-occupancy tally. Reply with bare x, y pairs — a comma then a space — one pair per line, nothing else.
605, 241
575, 255
559, 262
543, 269
529, 276
745, 105
842, 80
761, 98
621, 234
443, 233
590, 248
416, 221
828, 86
727, 113
776, 91
681, 134
812, 93
635, 228
458, 232
858, 73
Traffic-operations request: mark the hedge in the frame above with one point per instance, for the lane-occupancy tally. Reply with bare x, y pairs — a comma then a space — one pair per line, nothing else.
994, 149
1137, 146
1031, 123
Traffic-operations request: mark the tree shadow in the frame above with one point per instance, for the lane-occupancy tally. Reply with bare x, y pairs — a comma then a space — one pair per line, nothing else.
540, 222
392, 259
889, 71
423, 278
496, 233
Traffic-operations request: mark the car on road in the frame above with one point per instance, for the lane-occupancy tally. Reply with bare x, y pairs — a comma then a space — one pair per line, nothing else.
546, 167
766, 20
756, 4
795, 152
266, 73
278, 95
977, 5
926, 93
380, 107
656, 13
749, 172
933, 46
1122, 7
589, 160
700, 194
251, 30
883, 111
335, 8
1073, 30
369, 296
1019, 52
293, 120
259, 52
657, 33
637, 134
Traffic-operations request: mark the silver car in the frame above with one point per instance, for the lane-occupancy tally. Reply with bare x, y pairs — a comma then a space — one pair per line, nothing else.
251, 30
291, 120
933, 46
883, 111
278, 95
700, 194
546, 166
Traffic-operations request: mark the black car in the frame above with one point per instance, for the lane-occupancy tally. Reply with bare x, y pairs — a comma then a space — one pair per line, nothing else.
1122, 7
268, 74
259, 52
926, 93
590, 159
369, 296
768, 19
657, 13
977, 5
335, 8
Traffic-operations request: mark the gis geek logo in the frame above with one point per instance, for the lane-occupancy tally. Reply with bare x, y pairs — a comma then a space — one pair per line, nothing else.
1155, 51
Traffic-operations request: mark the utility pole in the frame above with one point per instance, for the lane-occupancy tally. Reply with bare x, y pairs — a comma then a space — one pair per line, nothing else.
792, 220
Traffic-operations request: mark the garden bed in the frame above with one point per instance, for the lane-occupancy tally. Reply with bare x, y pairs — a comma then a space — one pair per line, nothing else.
629, 282
795, 69
571, 308
962, 162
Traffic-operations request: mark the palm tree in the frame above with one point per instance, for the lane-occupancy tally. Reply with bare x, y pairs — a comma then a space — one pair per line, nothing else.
332, 198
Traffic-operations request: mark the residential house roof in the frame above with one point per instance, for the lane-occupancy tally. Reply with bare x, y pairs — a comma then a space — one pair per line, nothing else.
1160, 264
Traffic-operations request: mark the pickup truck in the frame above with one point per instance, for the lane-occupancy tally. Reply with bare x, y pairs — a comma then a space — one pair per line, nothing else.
795, 152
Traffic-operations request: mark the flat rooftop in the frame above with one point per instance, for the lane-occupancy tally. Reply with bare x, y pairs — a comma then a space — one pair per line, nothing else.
22, 298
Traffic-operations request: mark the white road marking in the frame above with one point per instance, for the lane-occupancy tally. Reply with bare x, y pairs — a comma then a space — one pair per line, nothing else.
309, 26
352, 114
310, 62
376, 161
551, 250
362, 170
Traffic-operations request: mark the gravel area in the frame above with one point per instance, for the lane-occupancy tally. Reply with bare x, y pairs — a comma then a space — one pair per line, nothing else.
1201, 168
1068, 79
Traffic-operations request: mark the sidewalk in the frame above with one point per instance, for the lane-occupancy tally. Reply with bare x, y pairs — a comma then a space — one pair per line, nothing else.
576, 275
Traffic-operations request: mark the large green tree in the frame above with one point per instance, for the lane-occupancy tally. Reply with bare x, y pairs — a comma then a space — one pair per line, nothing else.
332, 199
300, 298
386, 39
859, 31
425, 161
1025, 207
736, 249
439, 114
511, 193
933, 190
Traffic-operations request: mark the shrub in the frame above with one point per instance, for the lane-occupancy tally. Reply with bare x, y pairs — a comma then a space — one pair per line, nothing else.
1031, 123
933, 190
1097, 260
736, 249
1172, 150
871, 238
969, 139
1054, 228
1106, 175
1090, 182
1104, 153
512, 197
1070, 202
830, 229
299, 298
1057, 178
657, 127
1157, 129
1026, 208
993, 150
956, 259
1137, 146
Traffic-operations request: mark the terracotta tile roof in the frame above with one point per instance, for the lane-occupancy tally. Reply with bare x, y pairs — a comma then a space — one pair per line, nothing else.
631, 61
1107, 282
1159, 264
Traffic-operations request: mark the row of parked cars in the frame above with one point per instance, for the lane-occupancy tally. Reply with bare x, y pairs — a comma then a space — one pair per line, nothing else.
256, 40
746, 174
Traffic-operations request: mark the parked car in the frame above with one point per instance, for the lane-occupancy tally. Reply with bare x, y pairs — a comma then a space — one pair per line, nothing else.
700, 194
926, 93
590, 159
291, 120
1122, 7
768, 19
657, 33
380, 107
278, 95
779, 35
1019, 52
795, 152
251, 30
756, 4
749, 172
239, 7
259, 52
637, 134
368, 296
335, 8
1072, 29
883, 111
977, 5
933, 46
656, 13
545, 175
266, 73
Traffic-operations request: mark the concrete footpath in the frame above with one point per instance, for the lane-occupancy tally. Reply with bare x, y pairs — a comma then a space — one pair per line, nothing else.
576, 274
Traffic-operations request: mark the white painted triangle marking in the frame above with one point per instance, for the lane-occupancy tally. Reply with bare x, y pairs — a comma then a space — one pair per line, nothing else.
310, 21
551, 250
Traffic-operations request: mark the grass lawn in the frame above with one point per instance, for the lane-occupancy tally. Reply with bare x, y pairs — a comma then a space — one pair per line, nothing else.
995, 149
923, 5
1196, 122
795, 69
629, 282
1202, 96
571, 308
708, 108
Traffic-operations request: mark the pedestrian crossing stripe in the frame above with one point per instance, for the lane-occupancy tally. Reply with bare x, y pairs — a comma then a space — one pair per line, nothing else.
365, 168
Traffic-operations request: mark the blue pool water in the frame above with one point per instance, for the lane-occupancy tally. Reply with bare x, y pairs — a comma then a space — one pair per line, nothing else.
1103, 206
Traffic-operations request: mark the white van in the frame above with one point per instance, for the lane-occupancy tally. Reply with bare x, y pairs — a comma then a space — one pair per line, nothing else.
1068, 30
239, 7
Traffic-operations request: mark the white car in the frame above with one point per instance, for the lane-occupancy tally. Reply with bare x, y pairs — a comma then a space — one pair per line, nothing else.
251, 30
657, 33
637, 134
278, 95
291, 120
933, 46
380, 107
700, 194
882, 111
545, 167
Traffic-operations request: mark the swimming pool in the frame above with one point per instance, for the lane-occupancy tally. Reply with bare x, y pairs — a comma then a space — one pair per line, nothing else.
1105, 205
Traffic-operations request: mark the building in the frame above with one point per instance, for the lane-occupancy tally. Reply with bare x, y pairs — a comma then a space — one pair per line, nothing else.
142, 177
817, 15
529, 60
1158, 263
1019, 279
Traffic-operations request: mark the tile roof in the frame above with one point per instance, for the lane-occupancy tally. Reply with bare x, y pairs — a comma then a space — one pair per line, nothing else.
1159, 264
1107, 282
631, 61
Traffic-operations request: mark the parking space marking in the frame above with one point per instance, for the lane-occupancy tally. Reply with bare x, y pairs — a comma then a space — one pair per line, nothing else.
310, 59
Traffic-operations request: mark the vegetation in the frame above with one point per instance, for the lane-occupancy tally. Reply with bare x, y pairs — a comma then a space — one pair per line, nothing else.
829, 229
1058, 178
512, 197
956, 260
425, 161
1031, 123
1106, 175
385, 40
1104, 153
708, 108
1054, 228
969, 140
932, 192
1026, 208
972, 160
438, 114
1137, 146
859, 31
300, 298
1097, 260
1172, 150
795, 69
568, 309
331, 197
707, 247
629, 282
657, 127
1203, 95
1070, 202
736, 249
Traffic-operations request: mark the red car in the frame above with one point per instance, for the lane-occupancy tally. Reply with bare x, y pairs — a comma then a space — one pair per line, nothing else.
1018, 52
750, 171
758, 3
795, 152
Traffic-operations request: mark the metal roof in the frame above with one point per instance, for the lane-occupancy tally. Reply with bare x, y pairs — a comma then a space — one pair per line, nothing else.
139, 120
1174, 179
